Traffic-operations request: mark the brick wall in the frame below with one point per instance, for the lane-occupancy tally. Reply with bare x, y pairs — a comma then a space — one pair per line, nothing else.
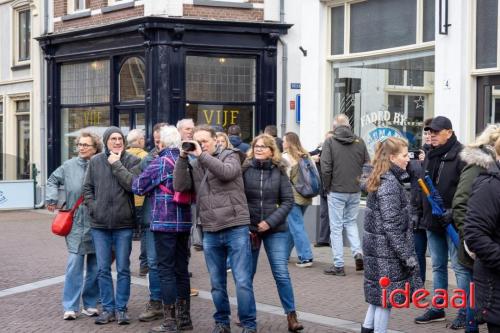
221, 13
101, 19
60, 8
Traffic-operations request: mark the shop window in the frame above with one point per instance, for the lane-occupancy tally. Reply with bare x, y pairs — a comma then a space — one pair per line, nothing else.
23, 139
486, 33
220, 91
85, 91
76, 119
338, 30
131, 80
382, 24
85, 83
1, 141
386, 96
429, 33
220, 79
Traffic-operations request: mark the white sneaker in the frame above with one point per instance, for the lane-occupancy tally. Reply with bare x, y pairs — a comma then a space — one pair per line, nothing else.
69, 315
90, 312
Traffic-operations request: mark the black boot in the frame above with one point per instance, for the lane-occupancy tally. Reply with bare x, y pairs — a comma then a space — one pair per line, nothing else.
366, 330
184, 322
169, 324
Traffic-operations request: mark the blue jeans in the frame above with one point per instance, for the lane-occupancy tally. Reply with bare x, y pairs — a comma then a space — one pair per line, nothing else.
298, 235
420, 249
75, 286
172, 249
153, 275
276, 246
343, 211
121, 241
440, 247
217, 246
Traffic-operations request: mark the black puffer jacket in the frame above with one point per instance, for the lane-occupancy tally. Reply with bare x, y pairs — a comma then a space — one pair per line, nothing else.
269, 193
388, 244
482, 236
443, 165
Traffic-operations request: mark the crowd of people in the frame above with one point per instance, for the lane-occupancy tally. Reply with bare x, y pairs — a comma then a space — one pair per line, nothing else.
243, 195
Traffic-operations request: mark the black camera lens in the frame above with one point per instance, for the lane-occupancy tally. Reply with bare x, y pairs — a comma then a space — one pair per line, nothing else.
188, 146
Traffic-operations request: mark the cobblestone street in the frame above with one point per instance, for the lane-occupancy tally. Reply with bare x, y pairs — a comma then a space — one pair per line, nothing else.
32, 267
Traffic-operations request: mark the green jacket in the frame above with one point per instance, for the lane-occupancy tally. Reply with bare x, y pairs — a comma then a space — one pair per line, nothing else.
478, 160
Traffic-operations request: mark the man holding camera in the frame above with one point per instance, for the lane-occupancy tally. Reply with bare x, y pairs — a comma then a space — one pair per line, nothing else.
223, 213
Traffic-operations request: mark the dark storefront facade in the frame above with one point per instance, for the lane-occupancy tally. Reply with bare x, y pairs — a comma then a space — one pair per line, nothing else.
136, 73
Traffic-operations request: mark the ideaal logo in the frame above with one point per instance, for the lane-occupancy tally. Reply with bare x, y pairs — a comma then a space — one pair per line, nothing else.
440, 300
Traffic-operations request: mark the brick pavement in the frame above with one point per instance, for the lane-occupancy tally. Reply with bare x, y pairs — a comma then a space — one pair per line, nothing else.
29, 253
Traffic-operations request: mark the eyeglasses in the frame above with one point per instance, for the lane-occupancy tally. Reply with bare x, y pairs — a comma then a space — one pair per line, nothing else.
84, 145
259, 147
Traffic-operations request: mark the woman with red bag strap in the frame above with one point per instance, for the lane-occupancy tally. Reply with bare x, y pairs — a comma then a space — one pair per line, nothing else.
171, 226
79, 243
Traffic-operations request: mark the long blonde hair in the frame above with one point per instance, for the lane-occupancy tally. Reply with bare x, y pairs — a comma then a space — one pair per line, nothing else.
381, 160
268, 142
487, 137
229, 145
295, 149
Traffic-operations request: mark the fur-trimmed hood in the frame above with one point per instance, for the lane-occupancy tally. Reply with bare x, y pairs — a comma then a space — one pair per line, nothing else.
482, 156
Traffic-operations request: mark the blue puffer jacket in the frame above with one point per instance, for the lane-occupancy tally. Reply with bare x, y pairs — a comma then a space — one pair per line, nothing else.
70, 175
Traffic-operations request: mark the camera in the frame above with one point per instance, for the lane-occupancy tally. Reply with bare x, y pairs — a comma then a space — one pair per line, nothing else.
188, 146
414, 154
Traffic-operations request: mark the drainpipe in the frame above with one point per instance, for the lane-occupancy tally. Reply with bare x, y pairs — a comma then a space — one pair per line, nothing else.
43, 106
284, 72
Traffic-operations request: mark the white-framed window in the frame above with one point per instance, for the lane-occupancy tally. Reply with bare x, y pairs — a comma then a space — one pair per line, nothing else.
117, 2
358, 27
23, 139
485, 26
78, 5
22, 35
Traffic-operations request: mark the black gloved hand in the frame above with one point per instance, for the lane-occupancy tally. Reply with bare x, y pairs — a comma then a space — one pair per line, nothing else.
444, 219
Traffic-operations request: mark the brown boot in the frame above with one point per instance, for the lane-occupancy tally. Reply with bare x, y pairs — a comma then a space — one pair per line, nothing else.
169, 324
184, 322
293, 324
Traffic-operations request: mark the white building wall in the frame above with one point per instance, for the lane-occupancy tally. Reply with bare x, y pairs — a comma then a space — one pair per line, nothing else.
454, 86
311, 70
18, 83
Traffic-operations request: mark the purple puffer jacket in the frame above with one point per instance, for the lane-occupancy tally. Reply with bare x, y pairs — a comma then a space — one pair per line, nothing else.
166, 215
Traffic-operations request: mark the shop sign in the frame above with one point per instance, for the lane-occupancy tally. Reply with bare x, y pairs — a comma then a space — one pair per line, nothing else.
217, 116
91, 118
381, 121
16, 194
294, 85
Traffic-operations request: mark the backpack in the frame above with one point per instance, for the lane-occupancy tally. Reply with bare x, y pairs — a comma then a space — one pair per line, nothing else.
308, 182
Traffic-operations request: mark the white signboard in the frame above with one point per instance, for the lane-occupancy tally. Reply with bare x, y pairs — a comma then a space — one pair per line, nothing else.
16, 194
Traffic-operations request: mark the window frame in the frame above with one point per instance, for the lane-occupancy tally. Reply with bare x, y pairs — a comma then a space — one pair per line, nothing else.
72, 10
2, 138
16, 34
16, 114
472, 9
419, 44
118, 2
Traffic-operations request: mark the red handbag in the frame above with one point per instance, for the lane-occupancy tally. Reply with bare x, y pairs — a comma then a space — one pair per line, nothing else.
63, 222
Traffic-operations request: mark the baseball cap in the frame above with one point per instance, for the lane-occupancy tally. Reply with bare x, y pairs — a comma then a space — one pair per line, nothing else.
439, 123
